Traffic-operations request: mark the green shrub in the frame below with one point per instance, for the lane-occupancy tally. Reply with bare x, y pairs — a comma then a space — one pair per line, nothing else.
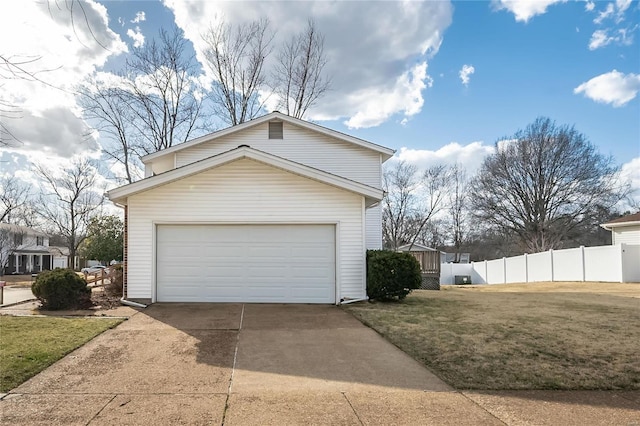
391, 274
61, 289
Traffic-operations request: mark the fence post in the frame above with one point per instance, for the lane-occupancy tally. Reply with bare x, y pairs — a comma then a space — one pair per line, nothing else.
504, 269
622, 262
526, 268
584, 266
486, 272
551, 258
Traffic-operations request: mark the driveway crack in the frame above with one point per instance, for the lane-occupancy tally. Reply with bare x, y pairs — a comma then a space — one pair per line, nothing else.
482, 407
233, 369
100, 411
352, 408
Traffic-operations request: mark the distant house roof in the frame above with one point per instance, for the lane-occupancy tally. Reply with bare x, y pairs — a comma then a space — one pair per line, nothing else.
415, 247
628, 220
26, 230
58, 251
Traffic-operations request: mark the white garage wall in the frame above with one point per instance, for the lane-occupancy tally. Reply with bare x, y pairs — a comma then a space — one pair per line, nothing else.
374, 227
246, 191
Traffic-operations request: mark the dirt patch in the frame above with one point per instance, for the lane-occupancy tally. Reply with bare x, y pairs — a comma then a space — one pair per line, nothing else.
103, 298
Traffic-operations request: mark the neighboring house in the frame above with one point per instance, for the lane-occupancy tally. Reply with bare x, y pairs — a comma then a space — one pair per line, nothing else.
624, 230
272, 210
23, 250
60, 257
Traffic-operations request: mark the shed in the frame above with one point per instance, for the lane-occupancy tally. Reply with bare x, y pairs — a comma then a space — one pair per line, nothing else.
429, 260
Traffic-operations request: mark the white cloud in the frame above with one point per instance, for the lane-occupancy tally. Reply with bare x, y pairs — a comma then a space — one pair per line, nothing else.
525, 9
630, 172
374, 77
137, 37
613, 10
613, 88
140, 17
622, 5
599, 39
469, 156
604, 14
64, 45
589, 6
376, 106
56, 131
465, 73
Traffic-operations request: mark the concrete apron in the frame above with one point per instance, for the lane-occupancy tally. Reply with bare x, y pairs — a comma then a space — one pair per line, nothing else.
271, 364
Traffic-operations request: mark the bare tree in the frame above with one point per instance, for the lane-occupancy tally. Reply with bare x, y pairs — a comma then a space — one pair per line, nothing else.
14, 199
69, 200
162, 93
399, 183
110, 110
457, 204
236, 58
298, 76
542, 183
434, 183
411, 202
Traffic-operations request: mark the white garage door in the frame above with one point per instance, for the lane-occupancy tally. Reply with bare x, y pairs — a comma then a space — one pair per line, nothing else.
246, 263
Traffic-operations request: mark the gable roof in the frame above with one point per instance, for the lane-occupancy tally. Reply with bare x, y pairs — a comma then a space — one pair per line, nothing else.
386, 152
119, 195
22, 229
628, 220
415, 247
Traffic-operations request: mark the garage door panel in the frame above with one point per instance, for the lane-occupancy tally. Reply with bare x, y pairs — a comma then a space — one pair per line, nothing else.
246, 263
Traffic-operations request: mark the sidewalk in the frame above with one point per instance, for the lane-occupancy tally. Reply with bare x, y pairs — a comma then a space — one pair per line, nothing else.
14, 295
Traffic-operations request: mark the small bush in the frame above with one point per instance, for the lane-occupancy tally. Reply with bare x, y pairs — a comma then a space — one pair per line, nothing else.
391, 274
61, 289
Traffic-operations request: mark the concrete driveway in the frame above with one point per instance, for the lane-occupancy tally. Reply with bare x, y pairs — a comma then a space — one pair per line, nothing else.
264, 364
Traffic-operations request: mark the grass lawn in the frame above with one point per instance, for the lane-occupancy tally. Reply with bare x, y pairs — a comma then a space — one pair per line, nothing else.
28, 345
521, 336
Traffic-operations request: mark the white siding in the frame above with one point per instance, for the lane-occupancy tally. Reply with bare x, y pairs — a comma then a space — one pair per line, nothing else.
160, 165
246, 191
300, 145
374, 227
626, 235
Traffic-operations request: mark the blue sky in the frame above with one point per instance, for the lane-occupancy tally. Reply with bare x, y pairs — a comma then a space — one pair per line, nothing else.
396, 69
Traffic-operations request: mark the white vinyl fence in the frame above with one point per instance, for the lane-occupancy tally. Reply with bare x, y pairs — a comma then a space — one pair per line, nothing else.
619, 263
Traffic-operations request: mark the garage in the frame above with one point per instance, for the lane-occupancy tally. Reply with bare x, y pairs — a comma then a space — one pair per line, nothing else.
286, 263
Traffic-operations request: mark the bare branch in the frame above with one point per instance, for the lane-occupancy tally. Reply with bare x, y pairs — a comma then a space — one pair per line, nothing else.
236, 57
298, 76
161, 92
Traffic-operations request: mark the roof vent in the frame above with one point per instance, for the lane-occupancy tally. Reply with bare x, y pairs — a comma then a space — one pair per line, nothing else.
275, 130
243, 146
